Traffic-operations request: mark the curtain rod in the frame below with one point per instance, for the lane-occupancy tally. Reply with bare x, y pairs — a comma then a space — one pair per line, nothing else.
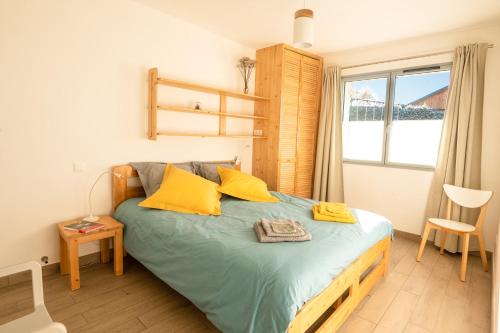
490, 46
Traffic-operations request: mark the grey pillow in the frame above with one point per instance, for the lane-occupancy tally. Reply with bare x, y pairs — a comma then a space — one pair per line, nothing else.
208, 170
151, 174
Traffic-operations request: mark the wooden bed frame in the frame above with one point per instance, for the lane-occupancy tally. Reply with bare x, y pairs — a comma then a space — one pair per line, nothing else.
327, 311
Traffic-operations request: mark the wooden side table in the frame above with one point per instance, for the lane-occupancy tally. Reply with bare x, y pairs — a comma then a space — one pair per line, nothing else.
69, 242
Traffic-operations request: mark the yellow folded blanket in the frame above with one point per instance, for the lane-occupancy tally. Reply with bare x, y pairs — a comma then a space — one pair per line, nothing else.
349, 218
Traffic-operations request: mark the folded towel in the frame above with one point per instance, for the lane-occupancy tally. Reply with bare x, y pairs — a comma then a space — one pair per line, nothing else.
334, 209
282, 228
345, 215
338, 211
324, 217
263, 238
334, 205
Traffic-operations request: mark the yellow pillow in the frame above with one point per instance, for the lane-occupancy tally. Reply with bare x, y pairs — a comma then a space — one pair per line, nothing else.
184, 192
240, 185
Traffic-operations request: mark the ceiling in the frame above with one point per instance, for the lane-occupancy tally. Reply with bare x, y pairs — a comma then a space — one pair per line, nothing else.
339, 24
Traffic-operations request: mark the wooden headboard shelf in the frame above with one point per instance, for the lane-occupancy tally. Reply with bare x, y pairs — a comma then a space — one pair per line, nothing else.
154, 107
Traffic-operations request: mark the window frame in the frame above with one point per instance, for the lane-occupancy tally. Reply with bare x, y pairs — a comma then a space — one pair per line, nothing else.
390, 75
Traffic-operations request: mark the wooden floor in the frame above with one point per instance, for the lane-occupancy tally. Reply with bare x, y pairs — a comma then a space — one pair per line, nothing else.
415, 297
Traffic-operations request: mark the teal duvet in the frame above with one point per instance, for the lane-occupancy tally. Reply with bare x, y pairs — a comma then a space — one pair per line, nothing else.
240, 284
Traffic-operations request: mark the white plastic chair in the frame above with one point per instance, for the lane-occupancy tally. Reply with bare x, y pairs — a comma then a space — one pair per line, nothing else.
38, 321
468, 198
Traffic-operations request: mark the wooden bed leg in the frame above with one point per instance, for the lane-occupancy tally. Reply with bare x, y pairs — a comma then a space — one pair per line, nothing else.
386, 258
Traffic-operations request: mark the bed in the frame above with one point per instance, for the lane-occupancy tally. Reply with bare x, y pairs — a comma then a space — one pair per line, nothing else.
245, 286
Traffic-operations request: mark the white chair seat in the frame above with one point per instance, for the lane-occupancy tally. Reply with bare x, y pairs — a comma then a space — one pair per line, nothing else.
453, 225
36, 321
39, 320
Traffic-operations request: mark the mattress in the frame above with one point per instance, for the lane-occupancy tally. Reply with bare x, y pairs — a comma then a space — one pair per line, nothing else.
240, 284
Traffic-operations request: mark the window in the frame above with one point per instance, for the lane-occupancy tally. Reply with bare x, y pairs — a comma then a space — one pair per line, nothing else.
395, 118
363, 119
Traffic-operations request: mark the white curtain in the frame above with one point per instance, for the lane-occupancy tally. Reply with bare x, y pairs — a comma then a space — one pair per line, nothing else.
459, 161
328, 175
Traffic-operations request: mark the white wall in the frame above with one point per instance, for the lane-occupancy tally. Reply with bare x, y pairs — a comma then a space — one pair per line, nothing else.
73, 90
401, 194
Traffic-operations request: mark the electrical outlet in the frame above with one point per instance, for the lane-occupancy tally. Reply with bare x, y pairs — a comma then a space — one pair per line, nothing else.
79, 167
44, 260
257, 132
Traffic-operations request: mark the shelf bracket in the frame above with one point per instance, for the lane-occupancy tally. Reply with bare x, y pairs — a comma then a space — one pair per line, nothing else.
153, 104
222, 118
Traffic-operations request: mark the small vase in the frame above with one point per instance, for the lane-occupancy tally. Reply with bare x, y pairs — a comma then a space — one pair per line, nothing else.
245, 90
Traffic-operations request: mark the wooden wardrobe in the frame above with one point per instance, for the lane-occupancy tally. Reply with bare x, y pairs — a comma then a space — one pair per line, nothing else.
291, 78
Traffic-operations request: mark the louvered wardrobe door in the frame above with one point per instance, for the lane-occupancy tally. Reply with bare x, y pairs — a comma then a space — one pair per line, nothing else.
288, 122
310, 86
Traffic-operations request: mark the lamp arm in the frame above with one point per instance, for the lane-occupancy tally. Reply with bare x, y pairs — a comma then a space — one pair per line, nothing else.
95, 183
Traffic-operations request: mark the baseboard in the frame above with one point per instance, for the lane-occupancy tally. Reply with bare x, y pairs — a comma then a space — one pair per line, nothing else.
85, 260
95, 258
418, 238
408, 235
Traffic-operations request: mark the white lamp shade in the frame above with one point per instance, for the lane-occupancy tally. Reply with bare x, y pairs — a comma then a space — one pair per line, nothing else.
303, 32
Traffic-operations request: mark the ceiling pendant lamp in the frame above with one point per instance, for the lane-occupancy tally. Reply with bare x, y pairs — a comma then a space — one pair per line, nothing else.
303, 28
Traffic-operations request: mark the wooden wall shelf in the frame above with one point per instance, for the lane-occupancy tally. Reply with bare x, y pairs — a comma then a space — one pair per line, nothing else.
209, 90
242, 136
205, 112
154, 107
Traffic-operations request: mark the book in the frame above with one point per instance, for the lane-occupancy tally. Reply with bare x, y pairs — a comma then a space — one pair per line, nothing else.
84, 227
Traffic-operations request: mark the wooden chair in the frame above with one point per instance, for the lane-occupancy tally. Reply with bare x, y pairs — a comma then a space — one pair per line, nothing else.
463, 197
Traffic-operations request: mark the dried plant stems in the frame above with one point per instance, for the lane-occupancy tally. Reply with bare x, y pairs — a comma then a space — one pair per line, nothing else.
246, 66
